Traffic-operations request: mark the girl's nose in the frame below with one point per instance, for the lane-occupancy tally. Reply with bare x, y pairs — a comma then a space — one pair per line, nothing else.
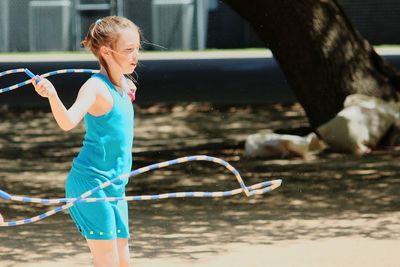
135, 55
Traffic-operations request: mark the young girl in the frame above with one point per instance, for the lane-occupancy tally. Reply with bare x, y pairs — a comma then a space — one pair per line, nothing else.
104, 104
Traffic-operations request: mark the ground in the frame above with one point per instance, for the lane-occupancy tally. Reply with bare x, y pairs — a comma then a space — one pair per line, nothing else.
331, 210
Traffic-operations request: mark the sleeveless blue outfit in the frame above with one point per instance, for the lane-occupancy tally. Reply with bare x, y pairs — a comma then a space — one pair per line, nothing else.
106, 154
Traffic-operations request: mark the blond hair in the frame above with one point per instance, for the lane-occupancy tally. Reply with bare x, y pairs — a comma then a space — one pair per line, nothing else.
105, 32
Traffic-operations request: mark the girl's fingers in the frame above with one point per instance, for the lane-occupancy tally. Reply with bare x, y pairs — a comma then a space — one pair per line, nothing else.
36, 80
43, 86
39, 86
40, 89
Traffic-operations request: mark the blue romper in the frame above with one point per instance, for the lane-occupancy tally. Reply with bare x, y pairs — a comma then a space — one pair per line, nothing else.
106, 154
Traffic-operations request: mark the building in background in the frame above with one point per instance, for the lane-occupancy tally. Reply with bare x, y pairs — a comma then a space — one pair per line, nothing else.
59, 25
4, 26
378, 21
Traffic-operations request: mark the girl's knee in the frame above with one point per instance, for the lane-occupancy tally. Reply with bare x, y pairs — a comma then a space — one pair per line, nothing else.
104, 253
124, 261
124, 257
123, 252
108, 260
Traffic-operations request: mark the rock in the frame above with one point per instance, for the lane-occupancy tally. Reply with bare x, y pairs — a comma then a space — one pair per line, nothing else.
360, 125
282, 145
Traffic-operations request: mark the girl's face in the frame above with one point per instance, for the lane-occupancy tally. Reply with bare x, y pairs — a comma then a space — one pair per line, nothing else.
126, 50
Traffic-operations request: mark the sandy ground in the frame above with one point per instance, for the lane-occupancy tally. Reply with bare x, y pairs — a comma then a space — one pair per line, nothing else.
332, 210
343, 251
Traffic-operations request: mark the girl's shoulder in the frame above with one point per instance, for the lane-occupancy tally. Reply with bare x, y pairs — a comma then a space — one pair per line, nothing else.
96, 80
95, 84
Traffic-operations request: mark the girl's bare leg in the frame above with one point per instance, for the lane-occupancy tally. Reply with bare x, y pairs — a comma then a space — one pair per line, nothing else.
123, 252
104, 252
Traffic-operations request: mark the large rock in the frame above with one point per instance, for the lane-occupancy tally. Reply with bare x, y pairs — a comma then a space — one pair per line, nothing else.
282, 145
360, 125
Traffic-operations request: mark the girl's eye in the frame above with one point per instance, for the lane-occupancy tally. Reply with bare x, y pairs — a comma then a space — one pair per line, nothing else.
129, 50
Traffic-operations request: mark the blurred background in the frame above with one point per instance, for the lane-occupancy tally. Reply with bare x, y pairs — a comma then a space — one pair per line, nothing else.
60, 25
45, 35
219, 86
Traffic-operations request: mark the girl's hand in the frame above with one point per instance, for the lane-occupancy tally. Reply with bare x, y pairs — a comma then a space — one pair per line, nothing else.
132, 90
44, 88
131, 85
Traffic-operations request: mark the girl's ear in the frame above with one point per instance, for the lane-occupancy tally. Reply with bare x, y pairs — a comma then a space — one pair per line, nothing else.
104, 51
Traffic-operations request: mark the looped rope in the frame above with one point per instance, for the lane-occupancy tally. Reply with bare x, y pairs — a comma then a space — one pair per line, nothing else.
255, 189
252, 190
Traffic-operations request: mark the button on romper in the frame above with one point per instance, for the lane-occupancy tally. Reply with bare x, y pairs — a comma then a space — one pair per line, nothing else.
106, 154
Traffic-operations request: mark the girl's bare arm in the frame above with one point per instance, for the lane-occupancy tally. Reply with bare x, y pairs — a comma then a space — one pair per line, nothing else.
67, 119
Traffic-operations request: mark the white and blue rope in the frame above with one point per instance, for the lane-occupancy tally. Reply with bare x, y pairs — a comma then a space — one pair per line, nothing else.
47, 74
256, 189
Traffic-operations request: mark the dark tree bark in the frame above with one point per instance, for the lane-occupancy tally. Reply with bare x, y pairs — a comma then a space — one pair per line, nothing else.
323, 57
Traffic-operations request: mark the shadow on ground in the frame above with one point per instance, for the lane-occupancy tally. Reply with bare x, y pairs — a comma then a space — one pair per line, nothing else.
331, 195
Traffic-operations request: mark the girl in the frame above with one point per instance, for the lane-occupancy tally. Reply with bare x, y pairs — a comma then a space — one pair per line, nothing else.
104, 104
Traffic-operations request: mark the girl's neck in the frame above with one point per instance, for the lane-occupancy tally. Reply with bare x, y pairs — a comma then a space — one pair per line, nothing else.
115, 77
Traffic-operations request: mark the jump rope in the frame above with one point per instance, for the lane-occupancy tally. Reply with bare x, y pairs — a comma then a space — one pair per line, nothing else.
255, 189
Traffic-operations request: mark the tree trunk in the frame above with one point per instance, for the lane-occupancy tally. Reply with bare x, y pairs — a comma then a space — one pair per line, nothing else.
321, 54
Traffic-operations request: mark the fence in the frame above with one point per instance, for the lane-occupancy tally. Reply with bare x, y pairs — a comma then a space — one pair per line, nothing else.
187, 24
377, 21
180, 24
49, 25
4, 26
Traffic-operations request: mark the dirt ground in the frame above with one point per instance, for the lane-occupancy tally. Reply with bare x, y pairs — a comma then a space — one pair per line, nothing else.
331, 210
